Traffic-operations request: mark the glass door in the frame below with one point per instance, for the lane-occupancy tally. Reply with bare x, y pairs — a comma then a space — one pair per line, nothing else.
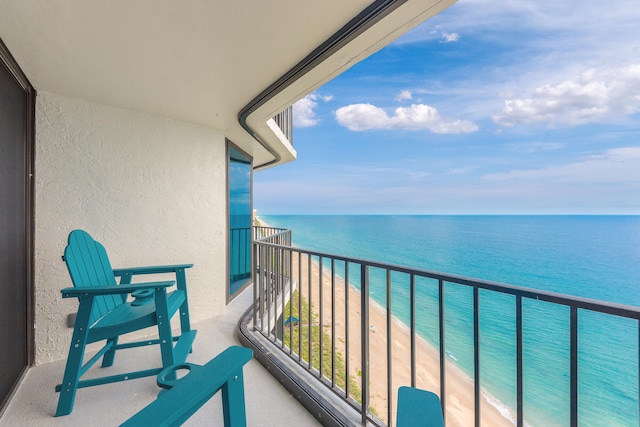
240, 214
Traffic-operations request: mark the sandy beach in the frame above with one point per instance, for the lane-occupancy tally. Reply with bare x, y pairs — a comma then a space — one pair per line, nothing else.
459, 387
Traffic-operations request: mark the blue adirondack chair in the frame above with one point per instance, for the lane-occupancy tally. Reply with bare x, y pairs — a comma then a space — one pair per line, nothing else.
181, 398
108, 310
418, 408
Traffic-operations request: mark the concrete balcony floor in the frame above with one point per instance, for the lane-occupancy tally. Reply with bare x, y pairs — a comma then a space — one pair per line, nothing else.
267, 402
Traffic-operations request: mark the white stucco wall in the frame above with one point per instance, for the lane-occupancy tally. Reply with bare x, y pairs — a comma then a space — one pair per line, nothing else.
151, 189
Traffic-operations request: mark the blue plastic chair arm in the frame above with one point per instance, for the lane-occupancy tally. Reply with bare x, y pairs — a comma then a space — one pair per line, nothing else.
154, 269
111, 290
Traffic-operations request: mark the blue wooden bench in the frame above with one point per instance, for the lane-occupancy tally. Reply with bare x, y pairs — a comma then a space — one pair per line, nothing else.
183, 397
106, 311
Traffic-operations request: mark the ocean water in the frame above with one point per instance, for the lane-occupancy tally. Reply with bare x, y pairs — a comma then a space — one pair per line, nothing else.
596, 257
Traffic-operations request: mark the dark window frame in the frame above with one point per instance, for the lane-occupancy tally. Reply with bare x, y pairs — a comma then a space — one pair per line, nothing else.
11, 65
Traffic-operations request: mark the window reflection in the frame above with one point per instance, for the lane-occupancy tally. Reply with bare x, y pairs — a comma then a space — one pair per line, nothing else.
239, 221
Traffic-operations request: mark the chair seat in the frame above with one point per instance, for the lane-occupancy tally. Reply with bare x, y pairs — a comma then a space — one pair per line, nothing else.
128, 318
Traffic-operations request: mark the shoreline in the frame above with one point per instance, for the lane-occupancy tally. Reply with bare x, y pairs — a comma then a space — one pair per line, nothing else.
459, 385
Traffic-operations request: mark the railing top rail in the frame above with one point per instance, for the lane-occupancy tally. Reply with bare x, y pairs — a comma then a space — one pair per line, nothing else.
270, 228
277, 232
605, 307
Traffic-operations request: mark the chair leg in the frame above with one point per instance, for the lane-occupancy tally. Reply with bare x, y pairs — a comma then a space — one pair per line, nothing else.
70, 382
74, 360
164, 330
185, 324
181, 281
109, 356
233, 406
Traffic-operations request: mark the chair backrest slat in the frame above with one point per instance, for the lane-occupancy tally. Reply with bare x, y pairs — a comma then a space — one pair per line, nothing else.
89, 265
418, 408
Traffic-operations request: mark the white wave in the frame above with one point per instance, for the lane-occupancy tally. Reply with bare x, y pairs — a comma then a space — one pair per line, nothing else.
450, 354
504, 410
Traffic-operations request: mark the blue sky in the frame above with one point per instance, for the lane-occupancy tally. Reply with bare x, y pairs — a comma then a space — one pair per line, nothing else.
491, 107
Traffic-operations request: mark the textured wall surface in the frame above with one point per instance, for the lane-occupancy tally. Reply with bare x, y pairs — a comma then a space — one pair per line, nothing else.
152, 190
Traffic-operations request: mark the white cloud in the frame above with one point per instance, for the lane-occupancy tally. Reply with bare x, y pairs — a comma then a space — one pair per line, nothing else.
359, 117
596, 96
404, 95
591, 23
304, 110
533, 147
450, 37
546, 41
417, 175
463, 170
618, 165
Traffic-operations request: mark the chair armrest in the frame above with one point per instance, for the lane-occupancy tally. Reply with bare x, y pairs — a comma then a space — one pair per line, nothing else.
110, 290
183, 397
156, 269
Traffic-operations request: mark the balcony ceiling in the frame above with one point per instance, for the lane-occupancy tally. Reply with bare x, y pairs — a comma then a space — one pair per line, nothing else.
199, 61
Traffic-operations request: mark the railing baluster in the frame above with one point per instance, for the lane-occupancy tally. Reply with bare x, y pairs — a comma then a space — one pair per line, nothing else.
239, 258
364, 320
269, 289
290, 274
574, 366
346, 327
476, 354
412, 322
519, 370
321, 316
310, 314
389, 354
280, 266
333, 322
284, 120
443, 374
270, 295
299, 306
256, 283
263, 284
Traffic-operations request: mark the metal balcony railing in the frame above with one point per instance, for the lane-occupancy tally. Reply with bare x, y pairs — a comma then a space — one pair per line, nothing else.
240, 259
278, 236
316, 309
284, 120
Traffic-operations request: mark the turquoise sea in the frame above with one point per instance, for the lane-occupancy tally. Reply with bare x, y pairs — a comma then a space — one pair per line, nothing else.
596, 257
